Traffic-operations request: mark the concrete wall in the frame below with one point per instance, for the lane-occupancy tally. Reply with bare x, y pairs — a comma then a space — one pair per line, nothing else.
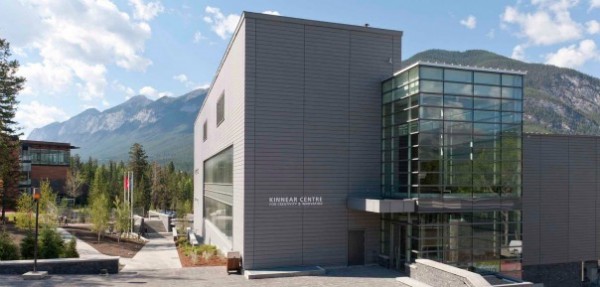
561, 226
313, 128
554, 275
62, 266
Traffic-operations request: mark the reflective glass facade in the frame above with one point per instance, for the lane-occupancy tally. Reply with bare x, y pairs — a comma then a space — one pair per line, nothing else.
218, 191
49, 156
452, 136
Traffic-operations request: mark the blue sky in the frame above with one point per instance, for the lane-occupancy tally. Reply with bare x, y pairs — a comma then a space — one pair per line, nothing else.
82, 54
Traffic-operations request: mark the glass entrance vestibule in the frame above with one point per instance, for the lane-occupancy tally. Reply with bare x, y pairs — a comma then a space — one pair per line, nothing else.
487, 241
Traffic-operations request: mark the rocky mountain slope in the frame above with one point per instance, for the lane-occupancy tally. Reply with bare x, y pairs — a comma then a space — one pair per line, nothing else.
164, 127
557, 100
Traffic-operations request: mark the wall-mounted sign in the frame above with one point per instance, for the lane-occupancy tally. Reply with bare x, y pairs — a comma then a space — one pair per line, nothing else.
295, 201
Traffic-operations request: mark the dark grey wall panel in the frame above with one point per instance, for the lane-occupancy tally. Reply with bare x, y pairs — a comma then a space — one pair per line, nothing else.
560, 192
531, 199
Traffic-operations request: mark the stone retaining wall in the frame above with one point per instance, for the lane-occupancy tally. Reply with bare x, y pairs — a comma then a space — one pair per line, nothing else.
63, 266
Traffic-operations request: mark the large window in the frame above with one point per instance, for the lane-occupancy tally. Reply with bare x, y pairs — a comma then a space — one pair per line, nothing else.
221, 109
218, 191
456, 135
49, 156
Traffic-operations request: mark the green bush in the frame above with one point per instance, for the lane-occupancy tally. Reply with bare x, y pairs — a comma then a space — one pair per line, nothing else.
8, 249
27, 245
51, 244
71, 249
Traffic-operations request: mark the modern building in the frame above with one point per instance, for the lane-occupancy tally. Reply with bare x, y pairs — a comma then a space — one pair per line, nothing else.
315, 147
41, 160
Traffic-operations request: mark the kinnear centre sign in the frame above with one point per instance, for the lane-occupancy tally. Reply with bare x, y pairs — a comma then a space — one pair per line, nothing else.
295, 201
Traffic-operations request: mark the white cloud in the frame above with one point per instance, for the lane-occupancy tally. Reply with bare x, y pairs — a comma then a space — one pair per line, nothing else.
469, 22
518, 53
181, 78
146, 11
203, 86
491, 34
222, 25
198, 37
152, 93
594, 4
549, 24
593, 27
35, 115
272, 12
574, 56
76, 41
129, 92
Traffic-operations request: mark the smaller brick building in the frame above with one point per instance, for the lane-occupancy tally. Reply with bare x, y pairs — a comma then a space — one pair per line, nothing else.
42, 160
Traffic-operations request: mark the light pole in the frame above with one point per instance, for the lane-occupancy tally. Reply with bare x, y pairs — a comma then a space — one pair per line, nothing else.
36, 197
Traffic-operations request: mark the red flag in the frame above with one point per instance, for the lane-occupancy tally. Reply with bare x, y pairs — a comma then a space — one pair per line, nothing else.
126, 182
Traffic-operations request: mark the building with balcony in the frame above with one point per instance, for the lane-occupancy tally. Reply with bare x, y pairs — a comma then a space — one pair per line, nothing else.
42, 160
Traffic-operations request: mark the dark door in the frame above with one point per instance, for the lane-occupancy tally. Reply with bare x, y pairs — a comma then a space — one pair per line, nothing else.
398, 240
356, 247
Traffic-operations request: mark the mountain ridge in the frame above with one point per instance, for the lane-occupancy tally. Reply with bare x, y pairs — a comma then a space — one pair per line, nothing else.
556, 100
163, 126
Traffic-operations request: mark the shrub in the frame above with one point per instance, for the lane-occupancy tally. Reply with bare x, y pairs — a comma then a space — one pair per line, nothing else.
51, 244
8, 249
71, 249
27, 245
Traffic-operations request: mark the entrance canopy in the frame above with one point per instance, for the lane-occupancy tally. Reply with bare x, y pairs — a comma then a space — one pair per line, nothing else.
377, 205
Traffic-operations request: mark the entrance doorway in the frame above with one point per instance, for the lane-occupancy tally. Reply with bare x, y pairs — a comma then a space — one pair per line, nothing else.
399, 248
356, 247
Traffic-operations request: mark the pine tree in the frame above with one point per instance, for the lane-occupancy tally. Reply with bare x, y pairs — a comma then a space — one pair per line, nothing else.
10, 86
138, 163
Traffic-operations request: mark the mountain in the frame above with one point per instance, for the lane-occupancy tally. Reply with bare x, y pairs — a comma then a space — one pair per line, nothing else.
556, 100
164, 127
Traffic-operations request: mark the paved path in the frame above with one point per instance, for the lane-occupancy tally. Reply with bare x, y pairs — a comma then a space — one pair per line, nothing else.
85, 250
158, 253
363, 276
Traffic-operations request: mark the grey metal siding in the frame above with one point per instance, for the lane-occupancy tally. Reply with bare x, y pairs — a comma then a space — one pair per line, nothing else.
312, 128
560, 192
229, 133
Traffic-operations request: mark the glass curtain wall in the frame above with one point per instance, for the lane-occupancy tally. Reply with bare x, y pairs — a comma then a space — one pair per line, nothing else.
485, 240
49, 156
218, 191
452, 134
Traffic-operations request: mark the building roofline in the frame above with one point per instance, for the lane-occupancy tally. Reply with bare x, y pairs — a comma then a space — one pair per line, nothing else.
460, 67
61, 144
252, 15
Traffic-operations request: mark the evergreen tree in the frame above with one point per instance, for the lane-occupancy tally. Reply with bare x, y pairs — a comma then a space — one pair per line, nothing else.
138, 163
8, 248
10, 86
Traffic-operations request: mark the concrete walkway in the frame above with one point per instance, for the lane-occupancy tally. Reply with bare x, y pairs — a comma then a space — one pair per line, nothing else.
85, 250
158, 253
